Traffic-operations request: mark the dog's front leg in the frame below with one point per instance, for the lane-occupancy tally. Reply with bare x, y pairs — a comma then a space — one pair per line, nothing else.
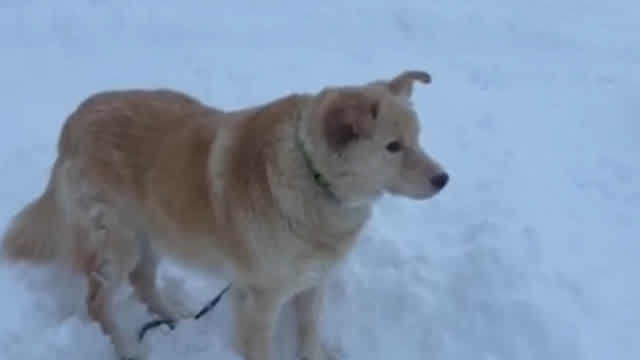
256, 312
308, 306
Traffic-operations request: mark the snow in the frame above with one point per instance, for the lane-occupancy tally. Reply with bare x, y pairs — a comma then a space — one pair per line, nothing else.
532, 250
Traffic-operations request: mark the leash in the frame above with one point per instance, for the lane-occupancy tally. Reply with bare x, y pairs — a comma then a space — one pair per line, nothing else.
172, 323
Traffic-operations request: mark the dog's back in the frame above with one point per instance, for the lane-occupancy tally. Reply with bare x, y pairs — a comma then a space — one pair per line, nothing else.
102, 129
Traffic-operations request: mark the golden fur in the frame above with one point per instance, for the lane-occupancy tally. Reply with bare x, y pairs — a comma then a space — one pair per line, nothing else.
270, 197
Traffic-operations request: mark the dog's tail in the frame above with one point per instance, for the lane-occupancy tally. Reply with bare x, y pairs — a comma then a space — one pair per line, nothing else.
31, 233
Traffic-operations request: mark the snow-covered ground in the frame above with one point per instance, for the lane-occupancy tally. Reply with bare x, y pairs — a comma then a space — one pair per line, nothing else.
532, 251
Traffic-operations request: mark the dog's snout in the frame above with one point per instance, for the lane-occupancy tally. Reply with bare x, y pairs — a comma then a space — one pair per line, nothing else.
439, 181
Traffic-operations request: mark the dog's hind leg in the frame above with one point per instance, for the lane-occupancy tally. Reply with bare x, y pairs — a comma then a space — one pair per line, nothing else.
143, 280
106, 269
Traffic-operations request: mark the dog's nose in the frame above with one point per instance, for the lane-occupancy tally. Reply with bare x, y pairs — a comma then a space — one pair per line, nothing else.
439, 181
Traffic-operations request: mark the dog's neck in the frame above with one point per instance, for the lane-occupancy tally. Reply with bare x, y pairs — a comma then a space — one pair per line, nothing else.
319, 179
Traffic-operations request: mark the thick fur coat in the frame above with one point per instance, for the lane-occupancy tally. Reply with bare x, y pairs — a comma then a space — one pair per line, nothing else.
271, 197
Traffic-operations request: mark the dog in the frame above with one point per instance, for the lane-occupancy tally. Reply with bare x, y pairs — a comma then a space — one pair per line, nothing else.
271, 198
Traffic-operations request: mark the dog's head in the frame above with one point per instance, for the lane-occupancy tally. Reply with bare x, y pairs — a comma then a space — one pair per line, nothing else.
364, 140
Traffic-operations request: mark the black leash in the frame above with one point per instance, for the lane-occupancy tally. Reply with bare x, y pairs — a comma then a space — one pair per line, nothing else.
172, 324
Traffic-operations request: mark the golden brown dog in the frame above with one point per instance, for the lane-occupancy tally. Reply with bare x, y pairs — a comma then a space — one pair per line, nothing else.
270, 197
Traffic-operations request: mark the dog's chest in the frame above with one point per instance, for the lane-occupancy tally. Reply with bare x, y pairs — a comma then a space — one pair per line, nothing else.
306, 259
328, 243
303, 272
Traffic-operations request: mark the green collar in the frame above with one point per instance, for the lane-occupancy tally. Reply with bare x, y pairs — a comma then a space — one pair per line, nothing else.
318, 178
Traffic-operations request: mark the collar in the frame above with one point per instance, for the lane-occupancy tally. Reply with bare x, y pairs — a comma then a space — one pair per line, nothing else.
318, 178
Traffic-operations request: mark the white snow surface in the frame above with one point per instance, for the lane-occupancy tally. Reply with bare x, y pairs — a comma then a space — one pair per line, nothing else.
531, 252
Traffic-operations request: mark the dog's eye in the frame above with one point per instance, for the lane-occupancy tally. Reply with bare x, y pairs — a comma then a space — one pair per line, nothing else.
394, 146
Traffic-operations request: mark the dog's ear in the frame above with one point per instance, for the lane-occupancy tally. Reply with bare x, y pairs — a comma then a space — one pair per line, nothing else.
402, 84
349, 118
